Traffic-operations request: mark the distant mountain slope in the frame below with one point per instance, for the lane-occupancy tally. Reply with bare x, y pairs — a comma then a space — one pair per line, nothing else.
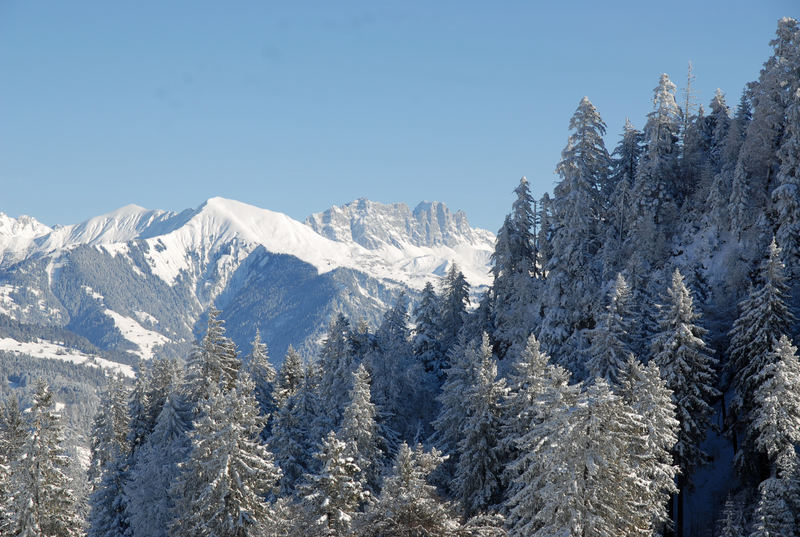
134, 282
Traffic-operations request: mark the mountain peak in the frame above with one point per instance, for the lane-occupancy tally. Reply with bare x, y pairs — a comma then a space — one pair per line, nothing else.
374, 225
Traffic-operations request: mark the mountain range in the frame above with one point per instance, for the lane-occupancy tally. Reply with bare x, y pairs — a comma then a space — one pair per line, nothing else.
122, 286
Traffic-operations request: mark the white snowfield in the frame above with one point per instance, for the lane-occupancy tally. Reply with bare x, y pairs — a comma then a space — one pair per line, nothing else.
175, 239
46, 349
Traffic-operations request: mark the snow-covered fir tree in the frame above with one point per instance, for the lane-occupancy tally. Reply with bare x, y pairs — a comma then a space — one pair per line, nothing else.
549, 397
449, 425
263, 375
647, 393
289, 377
299, 426
110, 429
398, 380
425, 344
150, 507
687, 366
610, 338
655, 191
212, 365
410, 507
479, 469
222, 485
360, 432
41, 499
337, 363
775, 421
774, 514
453, 302
331, 497
764, 317
515, 271
574, 271
584, 481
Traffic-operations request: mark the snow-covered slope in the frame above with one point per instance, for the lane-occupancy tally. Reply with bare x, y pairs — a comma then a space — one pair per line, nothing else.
139, 281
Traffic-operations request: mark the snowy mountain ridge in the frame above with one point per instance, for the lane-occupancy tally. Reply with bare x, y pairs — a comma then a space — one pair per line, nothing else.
386, 241
135, 280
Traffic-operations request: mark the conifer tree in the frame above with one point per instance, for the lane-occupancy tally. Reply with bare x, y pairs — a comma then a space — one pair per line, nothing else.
527, 382
289, 377
776, 414
263, 375
222, 485
514, 269
610, 339
398, 380
573, 272
298, 428
360, 432
655, 190
618, 198
547, 399
150, 508
13, 433
450, 423
764, 317
688, 368
775, 514
454, 299
425, 344
732, 520
42, 502
643, 389
213, 364
110, 429
584, 482
407, 505
786, 196
331, 497
337, 363
478, 479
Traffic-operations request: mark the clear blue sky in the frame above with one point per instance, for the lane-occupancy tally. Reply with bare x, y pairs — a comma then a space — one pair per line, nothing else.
296, 106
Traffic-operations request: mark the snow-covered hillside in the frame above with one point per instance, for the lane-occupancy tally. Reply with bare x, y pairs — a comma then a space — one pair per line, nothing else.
136, 280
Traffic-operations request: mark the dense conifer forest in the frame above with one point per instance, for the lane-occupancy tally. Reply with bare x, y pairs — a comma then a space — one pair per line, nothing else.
632, 371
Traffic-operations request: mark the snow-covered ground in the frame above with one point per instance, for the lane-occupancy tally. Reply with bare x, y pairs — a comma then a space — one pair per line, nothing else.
45, 349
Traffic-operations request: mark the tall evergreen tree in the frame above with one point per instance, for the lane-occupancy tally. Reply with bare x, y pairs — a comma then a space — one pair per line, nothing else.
480, 463
655, 191
573, 271
264, 376
337, 363
687, 367
331, 497
298, 428
212, 365
360, 432
221, 489
776, 414
42, 502
648, 395
150, 508
584, 482
425, 344
454, 299
611, 337
289, 377
764, 317
110, 429
407, 505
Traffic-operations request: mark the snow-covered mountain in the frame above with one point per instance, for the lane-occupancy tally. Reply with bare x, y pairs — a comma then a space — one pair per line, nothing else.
134, 281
